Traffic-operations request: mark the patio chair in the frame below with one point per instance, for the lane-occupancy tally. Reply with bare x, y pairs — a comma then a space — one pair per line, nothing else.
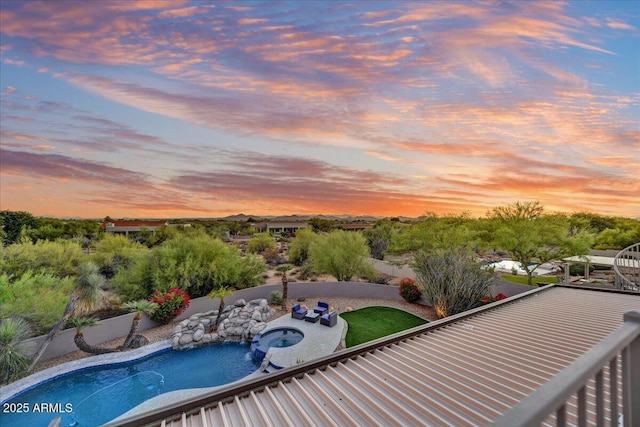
322, 308
329, 319
297, 312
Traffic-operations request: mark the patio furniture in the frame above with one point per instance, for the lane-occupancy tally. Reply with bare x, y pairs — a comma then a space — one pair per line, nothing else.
312, 317
329, 319
297, 312
322, 308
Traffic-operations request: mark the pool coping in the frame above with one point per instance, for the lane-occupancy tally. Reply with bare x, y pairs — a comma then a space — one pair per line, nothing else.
9, 391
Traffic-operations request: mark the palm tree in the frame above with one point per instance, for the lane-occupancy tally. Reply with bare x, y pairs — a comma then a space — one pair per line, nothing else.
221, 292
283, 268
139, 307
86, 295
14, 351
83, 322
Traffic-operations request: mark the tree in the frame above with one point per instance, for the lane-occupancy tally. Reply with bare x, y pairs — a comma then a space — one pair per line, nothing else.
222, 292
260, 243
322, 224
433, 234
14, 350
299, 246
343, 254
283, 268
84, 322
533, 238
139, 307
14, 223
86, 295
452, 280
379, 237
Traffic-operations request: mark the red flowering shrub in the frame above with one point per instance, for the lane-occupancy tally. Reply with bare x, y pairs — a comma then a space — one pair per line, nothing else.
170, 305
409, 290
488, 298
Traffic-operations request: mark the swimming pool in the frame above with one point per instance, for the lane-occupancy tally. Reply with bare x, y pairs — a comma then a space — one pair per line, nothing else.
94, 396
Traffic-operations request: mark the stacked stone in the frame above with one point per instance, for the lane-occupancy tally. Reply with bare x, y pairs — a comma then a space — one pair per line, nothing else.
238, 322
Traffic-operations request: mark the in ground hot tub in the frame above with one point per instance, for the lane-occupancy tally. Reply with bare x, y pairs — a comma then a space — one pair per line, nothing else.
278, 337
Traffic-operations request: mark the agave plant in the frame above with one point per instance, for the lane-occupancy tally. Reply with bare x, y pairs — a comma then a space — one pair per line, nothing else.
14, 351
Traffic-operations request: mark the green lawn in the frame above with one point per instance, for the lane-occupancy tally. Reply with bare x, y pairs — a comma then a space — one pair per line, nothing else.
371, 323
535, 280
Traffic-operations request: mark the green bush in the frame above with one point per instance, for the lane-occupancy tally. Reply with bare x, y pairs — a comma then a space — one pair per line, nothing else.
299, 246
261, 242
343, 254
115, 252
60, 258
196, 264
39, 298
275, 298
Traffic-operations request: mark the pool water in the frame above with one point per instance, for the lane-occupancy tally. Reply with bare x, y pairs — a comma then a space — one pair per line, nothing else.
94, 396
278, 338
282, 337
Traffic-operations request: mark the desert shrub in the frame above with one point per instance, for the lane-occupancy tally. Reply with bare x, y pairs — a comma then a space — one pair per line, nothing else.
343, 254
14, 351
261, 242
169, 305
306, 271
196, 264
453, 281
272, 256
382, 280
409, 290
114, 253
275, 298
39, 298
59, 258
299, 246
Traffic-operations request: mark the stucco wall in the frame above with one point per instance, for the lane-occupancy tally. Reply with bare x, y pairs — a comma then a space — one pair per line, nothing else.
116, 327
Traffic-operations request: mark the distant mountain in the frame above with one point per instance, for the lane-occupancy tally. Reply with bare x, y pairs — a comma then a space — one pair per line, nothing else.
297, 217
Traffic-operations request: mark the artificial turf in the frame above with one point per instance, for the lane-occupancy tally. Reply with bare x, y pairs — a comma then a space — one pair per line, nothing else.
371, 323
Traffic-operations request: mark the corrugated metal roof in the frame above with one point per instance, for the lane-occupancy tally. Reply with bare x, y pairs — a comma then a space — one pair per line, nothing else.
465, 373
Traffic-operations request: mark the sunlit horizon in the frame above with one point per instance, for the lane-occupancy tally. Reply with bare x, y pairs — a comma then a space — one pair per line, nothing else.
186, 109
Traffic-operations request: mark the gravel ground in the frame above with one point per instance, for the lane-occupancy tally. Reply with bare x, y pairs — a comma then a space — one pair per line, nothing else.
339, 304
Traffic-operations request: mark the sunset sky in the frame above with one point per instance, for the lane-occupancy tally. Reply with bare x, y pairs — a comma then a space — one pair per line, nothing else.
203, 109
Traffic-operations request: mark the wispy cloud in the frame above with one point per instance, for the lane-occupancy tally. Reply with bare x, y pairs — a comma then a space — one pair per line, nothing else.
433, 105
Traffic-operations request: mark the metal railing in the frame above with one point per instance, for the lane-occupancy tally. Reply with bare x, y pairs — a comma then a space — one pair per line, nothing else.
626, 265
587, 392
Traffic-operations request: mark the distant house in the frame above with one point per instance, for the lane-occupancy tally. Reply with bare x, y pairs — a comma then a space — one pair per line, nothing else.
355, 226
279, 227
125, 227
